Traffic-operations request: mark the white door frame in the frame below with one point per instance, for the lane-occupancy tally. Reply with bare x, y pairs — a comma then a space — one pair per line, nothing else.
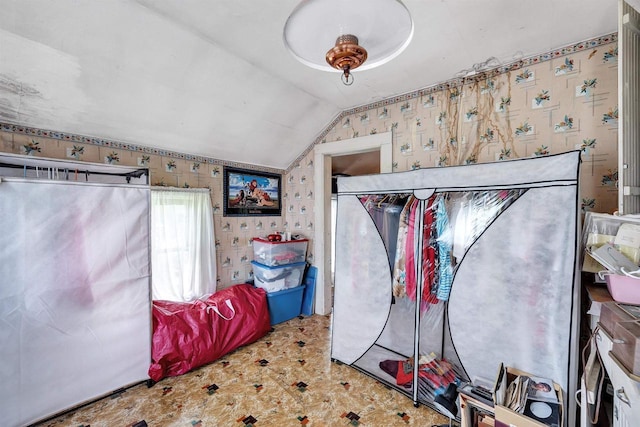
322, 209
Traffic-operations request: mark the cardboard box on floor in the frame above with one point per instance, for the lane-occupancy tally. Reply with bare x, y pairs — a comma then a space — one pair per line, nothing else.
505, 417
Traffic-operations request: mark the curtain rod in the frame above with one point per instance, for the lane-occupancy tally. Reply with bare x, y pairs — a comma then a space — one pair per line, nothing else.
187, 190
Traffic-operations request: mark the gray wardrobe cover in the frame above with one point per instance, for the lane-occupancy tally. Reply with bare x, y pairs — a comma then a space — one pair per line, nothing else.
514, 294
74, 294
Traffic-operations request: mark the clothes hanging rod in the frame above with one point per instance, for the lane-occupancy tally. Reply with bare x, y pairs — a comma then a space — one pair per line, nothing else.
66, 170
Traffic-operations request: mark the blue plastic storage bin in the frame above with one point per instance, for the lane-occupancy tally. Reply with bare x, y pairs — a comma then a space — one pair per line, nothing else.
284, 305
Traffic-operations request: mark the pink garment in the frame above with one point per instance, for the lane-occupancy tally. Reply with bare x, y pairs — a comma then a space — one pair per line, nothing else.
429, 254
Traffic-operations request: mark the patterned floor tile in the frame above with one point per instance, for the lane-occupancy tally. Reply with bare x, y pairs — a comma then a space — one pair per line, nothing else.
284, 379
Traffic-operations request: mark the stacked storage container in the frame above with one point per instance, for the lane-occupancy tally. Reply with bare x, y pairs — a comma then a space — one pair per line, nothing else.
278, 268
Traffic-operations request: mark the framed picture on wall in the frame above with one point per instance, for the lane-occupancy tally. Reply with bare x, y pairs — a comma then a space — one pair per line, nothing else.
251, 193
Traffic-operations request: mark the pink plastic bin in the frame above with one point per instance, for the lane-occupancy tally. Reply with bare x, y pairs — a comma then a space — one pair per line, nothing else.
623, 289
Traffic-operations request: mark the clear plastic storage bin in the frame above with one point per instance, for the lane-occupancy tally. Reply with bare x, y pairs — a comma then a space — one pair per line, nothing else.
273, 279
279, 253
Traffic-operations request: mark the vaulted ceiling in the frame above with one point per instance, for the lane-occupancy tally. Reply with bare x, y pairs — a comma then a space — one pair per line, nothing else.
213, 77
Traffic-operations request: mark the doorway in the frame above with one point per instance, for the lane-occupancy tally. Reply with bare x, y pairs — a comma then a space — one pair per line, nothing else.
323, 155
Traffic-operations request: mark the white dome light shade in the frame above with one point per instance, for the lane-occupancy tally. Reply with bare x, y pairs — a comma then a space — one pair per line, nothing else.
383, 27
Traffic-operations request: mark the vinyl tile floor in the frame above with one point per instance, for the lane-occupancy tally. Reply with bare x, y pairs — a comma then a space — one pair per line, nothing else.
286, 378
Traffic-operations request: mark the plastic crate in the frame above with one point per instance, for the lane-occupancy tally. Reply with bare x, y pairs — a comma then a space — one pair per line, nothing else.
279, 253
284, 305
273, 279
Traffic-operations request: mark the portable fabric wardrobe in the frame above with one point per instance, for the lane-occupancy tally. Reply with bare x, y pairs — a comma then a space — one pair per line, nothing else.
513, 295
75, 303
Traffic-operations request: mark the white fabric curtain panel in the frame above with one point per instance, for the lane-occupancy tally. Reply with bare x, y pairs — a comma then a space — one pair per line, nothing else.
75, 315
183, 253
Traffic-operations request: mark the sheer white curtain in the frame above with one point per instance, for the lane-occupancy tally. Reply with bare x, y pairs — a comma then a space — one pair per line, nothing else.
183, 252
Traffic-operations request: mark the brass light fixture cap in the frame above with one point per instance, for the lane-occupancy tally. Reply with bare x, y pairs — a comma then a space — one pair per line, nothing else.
346, 54
384, 27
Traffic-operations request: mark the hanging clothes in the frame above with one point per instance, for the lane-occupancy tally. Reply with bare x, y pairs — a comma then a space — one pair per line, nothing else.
385, 213
445, 270
377, 214
399, 269
410, 251
390, 224
429, 256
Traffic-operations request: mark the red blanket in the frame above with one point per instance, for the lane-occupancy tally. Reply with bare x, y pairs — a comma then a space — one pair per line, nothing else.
189, 335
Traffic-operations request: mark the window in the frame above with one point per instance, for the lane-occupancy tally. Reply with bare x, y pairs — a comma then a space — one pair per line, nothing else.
183, 257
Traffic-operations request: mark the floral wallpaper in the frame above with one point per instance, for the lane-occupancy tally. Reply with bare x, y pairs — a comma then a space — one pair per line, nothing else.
233, 234
555, 102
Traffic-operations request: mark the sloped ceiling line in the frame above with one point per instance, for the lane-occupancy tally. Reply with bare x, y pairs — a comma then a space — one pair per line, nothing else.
64, 136
557, 53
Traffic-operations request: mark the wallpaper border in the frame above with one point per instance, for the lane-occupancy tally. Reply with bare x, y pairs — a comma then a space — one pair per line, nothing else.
70, 137
455, 82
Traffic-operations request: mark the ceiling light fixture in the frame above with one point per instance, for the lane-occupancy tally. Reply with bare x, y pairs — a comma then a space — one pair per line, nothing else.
364, 34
